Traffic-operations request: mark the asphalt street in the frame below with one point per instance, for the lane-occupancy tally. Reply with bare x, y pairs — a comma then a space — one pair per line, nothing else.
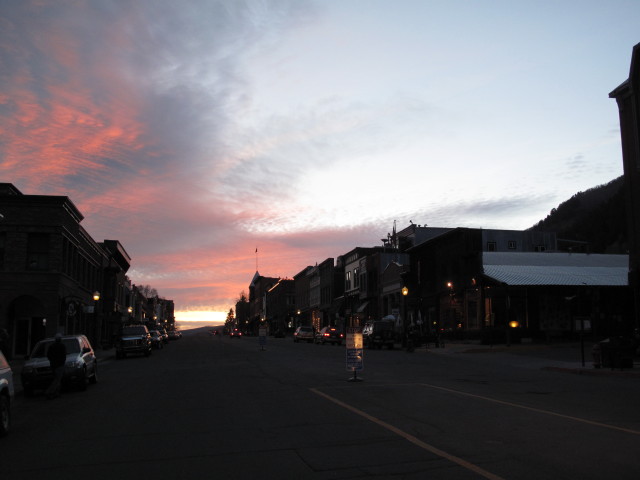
214, 407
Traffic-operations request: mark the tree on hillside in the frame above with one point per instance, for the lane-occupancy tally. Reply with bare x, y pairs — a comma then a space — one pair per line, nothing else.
596, 218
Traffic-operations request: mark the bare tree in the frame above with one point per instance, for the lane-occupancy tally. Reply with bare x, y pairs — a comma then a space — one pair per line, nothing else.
147, 291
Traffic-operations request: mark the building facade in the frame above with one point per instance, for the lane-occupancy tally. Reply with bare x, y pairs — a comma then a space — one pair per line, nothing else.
54, 277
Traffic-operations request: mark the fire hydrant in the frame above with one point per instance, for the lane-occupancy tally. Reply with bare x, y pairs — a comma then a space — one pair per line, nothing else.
596, 351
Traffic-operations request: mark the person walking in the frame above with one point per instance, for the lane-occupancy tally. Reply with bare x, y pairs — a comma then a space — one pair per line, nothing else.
57, 356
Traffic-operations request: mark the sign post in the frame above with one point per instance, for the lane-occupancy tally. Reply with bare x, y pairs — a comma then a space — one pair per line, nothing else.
355, 352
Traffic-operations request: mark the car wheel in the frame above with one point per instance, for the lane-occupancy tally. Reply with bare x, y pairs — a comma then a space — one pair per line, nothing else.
93, 379
147, 353
5, 415
28, 391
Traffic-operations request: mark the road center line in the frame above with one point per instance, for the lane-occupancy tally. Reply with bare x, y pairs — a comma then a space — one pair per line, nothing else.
537, 410
416, 441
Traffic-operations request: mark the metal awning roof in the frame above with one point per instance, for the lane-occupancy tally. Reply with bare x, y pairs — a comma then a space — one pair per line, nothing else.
517, 268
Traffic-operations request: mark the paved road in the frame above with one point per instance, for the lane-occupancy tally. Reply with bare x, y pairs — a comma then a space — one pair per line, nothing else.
211, 407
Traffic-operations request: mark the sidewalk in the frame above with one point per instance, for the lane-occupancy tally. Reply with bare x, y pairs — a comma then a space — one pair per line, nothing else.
560, 357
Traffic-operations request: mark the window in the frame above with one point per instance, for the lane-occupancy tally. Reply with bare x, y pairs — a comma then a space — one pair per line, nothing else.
512, 245
38, 251
356, 277
540, 248
347, 283
491, 246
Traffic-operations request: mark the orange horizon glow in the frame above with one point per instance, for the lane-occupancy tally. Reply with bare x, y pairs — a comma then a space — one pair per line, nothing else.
216, 318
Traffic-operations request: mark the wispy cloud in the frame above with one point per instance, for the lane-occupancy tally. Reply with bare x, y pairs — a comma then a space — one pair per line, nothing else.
194, 131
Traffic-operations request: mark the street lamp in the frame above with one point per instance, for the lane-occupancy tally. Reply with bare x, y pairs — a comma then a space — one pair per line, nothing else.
405, 292
96, 330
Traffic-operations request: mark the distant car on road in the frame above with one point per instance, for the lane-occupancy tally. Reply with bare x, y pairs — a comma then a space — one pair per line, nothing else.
378, 333
6, 395
81, 366
157, 339
133, 339
235, 333
331, 335
175, 335
164, 334
303, 334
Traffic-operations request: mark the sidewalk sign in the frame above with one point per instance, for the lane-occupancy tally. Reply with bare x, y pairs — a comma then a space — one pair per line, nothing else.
355, 352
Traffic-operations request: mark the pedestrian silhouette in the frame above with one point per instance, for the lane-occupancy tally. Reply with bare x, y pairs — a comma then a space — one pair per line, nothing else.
57, 356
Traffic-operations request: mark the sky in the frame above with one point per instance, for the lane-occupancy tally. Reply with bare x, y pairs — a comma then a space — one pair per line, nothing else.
214, 138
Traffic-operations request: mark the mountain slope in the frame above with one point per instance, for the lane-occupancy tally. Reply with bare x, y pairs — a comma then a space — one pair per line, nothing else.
596, 216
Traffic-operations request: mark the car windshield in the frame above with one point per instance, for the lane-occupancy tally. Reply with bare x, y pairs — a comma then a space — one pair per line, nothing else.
40, 351
133, 331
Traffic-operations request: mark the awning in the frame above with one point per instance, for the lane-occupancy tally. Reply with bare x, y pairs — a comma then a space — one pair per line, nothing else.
537, 268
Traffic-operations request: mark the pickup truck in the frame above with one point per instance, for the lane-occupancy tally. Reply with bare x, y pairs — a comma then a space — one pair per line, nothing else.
133, 339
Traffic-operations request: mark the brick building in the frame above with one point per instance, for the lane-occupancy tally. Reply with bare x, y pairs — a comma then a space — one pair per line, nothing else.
54, 277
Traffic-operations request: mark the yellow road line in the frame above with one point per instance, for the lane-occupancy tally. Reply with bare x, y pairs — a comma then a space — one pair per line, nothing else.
537, 410
416, 441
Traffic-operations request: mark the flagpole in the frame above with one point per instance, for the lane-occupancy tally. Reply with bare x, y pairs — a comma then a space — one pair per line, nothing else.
256, 259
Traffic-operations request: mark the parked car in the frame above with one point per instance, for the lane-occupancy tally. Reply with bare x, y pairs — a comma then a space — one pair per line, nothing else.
133, 339
303, 334
7, 392
235, 333
174, 335
157, 339
80, 368
378, 334
165, 335
331, 335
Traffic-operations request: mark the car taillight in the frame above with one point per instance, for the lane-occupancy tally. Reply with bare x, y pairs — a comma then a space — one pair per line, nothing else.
327, 335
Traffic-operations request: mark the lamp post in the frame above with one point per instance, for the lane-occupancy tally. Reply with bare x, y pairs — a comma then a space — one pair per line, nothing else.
96, 327
405, 292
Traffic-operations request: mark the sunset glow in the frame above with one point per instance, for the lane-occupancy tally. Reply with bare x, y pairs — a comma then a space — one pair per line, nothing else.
215, 318
194, 132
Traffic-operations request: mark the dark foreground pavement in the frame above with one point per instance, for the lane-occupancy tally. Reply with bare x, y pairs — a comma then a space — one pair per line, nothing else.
215, 407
